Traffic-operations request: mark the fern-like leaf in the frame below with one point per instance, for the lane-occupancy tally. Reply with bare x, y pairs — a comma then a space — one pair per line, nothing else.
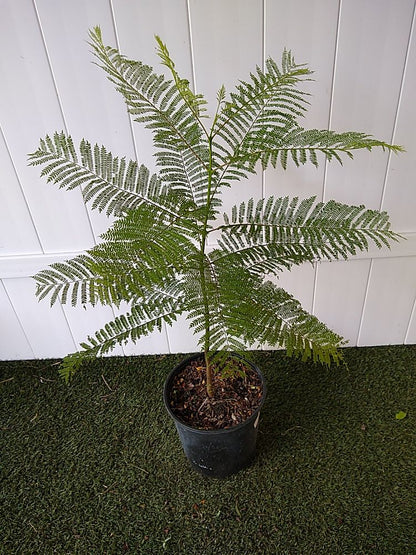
142, 320
170, 112
277, 319
245, 311
277, 233
155, 101
138, 253
269, 102
195, 102
279, 146
78, 282
108, 182
151, 98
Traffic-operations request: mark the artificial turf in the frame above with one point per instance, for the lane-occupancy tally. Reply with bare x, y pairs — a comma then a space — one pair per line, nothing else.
96, 466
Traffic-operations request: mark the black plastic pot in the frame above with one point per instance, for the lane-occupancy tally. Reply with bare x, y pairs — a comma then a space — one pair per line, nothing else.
217, 453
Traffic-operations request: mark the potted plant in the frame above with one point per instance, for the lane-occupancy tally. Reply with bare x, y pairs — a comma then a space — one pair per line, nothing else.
155, 255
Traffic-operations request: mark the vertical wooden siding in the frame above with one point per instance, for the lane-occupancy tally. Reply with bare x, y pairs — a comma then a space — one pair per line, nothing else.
364, 57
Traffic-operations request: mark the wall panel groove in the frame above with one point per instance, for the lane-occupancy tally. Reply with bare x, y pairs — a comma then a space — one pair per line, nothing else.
399, 102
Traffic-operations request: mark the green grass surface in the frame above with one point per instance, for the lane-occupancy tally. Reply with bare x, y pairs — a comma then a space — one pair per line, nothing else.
96, 467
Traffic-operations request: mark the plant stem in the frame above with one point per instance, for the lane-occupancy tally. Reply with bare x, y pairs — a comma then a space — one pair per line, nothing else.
210, 389
204, 288
209, 375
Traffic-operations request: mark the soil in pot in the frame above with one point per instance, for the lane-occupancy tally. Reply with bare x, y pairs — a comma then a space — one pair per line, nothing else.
234, 401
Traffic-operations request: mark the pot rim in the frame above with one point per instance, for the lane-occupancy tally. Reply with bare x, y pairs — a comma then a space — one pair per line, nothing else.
212, 431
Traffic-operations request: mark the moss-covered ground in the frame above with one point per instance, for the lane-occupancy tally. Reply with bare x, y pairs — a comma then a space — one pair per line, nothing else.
96, 466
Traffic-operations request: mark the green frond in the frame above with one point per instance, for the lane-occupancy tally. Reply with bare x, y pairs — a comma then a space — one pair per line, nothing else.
76, 281
137, 253
93, 280
261, 313
140, 238
270, 100
277, 233
141, 321
274, 146
109, 183
181, 170
245, 311
277, 319
170, 109
152, 99
260, 124
217, 336
196, 102
233, 284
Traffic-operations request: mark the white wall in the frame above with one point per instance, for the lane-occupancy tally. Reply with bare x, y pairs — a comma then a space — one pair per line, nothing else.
364, 56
